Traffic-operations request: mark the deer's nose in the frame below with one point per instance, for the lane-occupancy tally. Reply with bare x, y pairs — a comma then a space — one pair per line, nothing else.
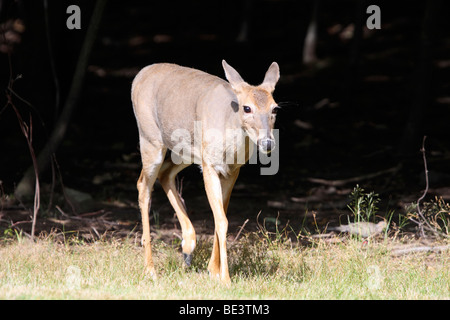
266, 145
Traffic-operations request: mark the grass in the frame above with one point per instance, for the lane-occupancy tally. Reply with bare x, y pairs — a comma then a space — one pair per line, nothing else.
263, 264
260, 269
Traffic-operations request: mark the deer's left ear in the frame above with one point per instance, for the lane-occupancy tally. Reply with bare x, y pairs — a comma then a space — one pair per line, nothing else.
271, 78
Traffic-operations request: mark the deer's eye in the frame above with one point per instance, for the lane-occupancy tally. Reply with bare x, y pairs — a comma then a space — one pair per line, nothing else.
247, 109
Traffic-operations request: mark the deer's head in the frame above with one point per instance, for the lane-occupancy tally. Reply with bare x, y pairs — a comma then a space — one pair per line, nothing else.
257, 108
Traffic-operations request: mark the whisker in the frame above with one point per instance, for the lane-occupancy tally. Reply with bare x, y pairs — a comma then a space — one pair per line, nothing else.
287, 104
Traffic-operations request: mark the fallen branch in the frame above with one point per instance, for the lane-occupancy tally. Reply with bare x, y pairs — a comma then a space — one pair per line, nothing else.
89, 220
438, 249
342, 182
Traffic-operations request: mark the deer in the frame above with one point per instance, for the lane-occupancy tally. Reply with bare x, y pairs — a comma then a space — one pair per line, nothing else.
168, 98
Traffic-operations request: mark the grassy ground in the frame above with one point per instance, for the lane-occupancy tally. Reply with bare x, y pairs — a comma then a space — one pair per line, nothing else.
263, 269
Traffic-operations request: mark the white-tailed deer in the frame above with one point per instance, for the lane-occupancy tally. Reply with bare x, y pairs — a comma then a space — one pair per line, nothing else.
167, 99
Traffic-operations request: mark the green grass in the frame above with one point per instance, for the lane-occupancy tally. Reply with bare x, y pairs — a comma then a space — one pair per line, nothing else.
260, 269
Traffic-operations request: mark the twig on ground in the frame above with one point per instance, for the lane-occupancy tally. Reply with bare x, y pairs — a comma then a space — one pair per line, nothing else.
27, 131
83, 218
239, 232
178, 236
426, 188
422, 222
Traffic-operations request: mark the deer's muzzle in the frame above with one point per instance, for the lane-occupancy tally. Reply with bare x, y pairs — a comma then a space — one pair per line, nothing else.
266, 145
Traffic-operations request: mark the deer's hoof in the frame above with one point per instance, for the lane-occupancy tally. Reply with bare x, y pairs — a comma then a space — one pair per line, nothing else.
187, 259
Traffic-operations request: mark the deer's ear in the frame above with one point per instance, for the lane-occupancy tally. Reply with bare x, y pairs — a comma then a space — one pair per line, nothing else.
233, 76
271, 78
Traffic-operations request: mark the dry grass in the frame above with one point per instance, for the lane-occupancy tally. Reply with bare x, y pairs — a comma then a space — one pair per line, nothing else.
260, 269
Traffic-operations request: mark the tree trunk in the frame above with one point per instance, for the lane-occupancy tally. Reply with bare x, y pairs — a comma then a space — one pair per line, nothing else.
25, 188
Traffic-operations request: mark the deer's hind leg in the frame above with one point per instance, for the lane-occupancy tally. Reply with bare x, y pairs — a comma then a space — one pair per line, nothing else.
152, 159
166, 177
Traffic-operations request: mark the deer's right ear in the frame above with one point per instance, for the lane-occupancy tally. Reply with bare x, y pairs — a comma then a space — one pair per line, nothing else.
233, 76
272, 77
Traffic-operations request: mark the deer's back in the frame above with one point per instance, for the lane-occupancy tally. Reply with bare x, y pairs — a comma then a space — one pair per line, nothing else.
167, 97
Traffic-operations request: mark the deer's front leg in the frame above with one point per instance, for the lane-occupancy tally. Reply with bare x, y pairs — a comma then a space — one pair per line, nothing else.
227, 184
218, 267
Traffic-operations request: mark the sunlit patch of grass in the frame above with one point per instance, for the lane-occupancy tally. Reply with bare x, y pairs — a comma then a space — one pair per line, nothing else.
261, 268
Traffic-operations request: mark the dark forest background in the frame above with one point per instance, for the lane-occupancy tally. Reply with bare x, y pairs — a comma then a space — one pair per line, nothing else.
355, 108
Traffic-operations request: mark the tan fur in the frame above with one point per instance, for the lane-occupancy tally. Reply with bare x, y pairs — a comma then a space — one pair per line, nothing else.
168, 98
